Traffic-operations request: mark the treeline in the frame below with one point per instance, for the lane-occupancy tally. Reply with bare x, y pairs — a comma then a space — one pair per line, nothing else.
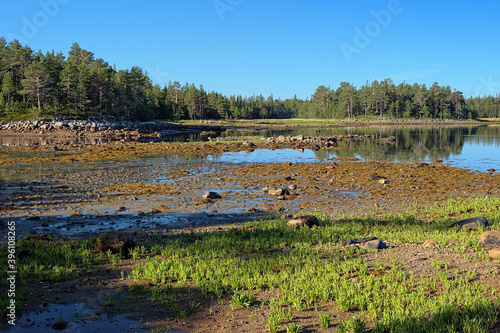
37, 85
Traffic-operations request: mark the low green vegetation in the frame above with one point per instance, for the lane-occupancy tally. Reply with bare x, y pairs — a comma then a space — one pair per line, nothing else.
292, 274
297, 270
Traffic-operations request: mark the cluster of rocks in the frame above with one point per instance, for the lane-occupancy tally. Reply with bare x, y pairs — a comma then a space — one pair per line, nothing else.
489, 239
103, 127
313, 142
318, 141
281, 192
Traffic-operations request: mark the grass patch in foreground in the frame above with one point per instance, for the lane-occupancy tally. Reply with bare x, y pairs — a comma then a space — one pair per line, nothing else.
308, 269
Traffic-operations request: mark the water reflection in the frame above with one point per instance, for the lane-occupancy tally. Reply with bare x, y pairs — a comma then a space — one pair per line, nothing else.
474, 147
41, 140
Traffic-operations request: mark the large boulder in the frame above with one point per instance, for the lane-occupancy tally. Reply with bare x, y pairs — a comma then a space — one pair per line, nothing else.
308, 220
490, 238
116, 241
473, 223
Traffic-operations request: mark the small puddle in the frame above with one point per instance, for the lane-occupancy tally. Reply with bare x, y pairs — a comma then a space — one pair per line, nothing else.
79, 317
351, 193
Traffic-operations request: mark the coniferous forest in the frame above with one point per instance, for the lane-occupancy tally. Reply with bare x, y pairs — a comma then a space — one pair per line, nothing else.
35, 85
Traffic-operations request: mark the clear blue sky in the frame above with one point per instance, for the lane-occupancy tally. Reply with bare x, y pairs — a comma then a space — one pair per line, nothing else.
274, 47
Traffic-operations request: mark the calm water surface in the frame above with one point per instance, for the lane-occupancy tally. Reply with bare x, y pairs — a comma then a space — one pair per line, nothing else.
473, 147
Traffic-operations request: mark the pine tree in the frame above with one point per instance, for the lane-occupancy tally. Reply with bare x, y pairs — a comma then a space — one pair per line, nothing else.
35, 83
8, 88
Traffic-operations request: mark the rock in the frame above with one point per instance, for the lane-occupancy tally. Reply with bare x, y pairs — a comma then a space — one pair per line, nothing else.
372, 243
115, 241
494, 253
390, 139
490, 238
420, 259
121, 209
271, 207
24, 253
292, 187
60, 325
383, 181
282, 191
472, 224
491, 170
298, 138
211, 195
430, 242
375, 177
278, 192
248, 143
308, 220
365, 239
375, 244
267, 207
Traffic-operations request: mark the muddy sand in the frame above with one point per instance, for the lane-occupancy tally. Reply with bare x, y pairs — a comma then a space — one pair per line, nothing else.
144, 188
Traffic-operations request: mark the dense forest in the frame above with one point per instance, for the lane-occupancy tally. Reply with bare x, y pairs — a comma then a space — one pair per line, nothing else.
34, 85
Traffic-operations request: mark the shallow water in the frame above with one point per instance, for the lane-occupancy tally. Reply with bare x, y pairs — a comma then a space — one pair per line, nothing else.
473, 147
80, 318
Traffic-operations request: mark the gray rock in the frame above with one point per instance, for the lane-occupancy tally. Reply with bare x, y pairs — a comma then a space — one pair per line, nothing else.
473, 223
211, 195
368, 242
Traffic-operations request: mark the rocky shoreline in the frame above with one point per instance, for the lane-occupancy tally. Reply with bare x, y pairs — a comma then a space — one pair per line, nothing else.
105, 129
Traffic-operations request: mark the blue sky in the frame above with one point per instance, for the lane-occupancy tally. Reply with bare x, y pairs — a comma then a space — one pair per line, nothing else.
274, 47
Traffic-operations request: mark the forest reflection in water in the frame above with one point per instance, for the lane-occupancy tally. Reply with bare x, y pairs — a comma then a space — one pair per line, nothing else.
474, 147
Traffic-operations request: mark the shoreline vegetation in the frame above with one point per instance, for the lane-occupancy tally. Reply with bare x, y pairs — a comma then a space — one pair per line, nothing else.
37, 86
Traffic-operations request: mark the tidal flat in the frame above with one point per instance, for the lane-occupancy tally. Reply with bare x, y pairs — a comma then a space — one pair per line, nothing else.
231, 263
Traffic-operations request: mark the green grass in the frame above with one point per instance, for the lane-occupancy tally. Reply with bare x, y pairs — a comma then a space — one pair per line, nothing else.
288, 273
302, 268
